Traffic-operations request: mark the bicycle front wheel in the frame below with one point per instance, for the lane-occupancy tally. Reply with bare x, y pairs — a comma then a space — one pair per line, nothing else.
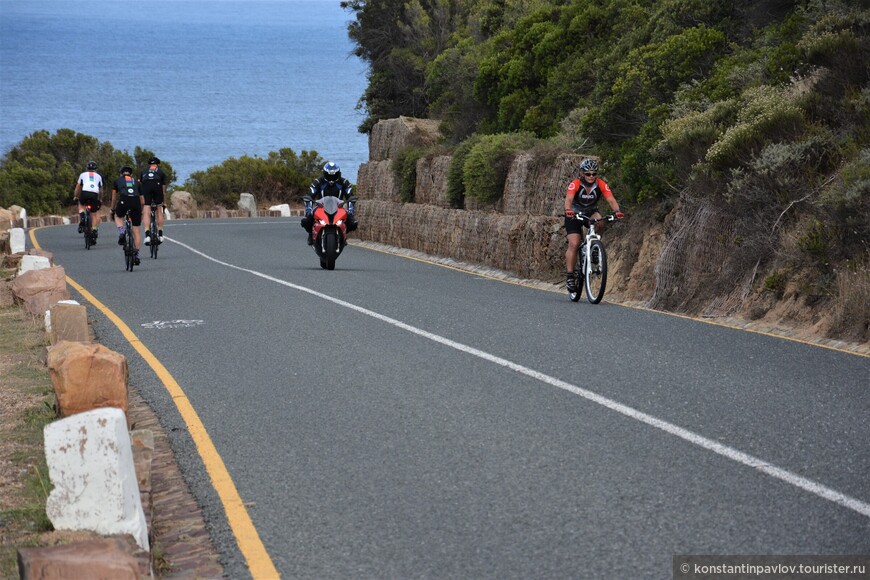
596, 273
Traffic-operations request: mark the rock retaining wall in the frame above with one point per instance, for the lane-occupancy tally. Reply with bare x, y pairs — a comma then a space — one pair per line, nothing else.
521, 233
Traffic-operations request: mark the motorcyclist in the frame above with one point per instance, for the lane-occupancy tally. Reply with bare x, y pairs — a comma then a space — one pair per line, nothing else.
330, 183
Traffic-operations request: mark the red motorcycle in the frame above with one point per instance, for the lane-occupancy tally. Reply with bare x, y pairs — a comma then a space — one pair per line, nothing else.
330, 230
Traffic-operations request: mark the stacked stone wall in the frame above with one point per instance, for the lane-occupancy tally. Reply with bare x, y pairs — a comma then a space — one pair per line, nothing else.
390, 136
520, 233
532, 247
431, 187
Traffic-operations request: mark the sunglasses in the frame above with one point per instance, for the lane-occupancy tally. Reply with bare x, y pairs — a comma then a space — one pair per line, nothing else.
590, 174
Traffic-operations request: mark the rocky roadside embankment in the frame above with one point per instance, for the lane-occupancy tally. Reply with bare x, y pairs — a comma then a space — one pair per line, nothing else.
681, 260
171, 539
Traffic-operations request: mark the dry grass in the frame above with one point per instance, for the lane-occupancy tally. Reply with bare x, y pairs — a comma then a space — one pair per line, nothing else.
851, 314
27, 404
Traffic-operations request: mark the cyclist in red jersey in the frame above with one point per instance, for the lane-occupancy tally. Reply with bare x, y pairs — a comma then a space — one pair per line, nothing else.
582, 198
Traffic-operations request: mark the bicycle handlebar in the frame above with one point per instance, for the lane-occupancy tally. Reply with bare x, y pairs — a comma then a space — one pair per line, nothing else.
587, 220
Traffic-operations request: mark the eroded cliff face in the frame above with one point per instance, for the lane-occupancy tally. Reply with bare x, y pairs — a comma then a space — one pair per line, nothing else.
681, 259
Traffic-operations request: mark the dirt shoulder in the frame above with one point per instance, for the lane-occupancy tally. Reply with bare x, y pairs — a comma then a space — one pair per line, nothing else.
181, 545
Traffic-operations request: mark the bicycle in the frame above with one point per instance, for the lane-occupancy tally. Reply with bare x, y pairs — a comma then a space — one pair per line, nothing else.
153, 230
592, 262
86, 227
129, 244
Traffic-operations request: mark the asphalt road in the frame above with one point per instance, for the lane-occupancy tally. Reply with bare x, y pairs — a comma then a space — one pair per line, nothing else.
394, 418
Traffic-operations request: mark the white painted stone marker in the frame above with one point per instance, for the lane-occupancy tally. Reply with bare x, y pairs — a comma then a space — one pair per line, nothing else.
284, 208
29, 263
90, 463
16, 240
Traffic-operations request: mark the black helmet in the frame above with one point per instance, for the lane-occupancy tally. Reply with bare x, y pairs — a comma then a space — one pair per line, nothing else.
331, 172
154, 161
92, 165
126, 170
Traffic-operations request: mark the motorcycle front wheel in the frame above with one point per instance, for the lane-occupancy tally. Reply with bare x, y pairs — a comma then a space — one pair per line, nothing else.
330, 249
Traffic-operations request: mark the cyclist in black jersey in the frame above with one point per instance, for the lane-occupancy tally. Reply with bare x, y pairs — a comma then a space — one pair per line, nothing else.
330, 183
153, 184
127, 198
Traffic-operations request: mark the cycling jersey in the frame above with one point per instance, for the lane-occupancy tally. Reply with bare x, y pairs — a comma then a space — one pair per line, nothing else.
585, 201
91, 181
126, 186
152, 179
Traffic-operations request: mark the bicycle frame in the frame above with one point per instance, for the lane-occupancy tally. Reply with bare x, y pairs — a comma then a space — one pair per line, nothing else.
591, 236
152, 229
592, 262
129, 243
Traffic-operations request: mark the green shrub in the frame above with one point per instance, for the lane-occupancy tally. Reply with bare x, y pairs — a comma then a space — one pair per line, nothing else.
846, 202
281, 177
814, 242
697, 130
486, 166
776, 282
404, 166
767, 114
455, 177
829, 40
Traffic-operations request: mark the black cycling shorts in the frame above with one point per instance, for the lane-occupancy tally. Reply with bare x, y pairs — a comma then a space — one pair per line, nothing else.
575, 226
90, 199
129, 204
155, 198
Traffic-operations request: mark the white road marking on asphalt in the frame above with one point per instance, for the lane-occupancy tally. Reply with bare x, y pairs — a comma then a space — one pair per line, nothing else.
736, 455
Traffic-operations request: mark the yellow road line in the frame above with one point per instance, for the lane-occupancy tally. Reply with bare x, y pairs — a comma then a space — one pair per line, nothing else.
259, 562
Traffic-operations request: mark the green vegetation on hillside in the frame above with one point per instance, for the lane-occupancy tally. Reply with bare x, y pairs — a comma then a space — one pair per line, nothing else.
39, 174
758, 110
610, 76
281, 177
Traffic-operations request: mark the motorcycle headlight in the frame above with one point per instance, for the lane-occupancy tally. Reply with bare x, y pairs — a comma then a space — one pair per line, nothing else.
322, 222
339, 222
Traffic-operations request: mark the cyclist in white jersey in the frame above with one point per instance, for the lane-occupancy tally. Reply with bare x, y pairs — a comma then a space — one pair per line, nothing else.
89, 191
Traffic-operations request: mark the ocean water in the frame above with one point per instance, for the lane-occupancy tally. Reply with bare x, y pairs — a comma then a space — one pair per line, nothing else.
196, 81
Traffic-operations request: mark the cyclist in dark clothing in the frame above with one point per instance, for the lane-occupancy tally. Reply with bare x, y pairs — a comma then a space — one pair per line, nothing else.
330, 183
153, 184
127, 198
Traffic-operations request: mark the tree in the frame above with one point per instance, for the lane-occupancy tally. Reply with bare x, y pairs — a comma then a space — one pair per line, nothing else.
282, 177
39, 173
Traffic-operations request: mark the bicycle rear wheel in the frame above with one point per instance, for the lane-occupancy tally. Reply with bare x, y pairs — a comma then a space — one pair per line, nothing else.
87, 228
155, 243
596, 273
578, 287
129, 249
